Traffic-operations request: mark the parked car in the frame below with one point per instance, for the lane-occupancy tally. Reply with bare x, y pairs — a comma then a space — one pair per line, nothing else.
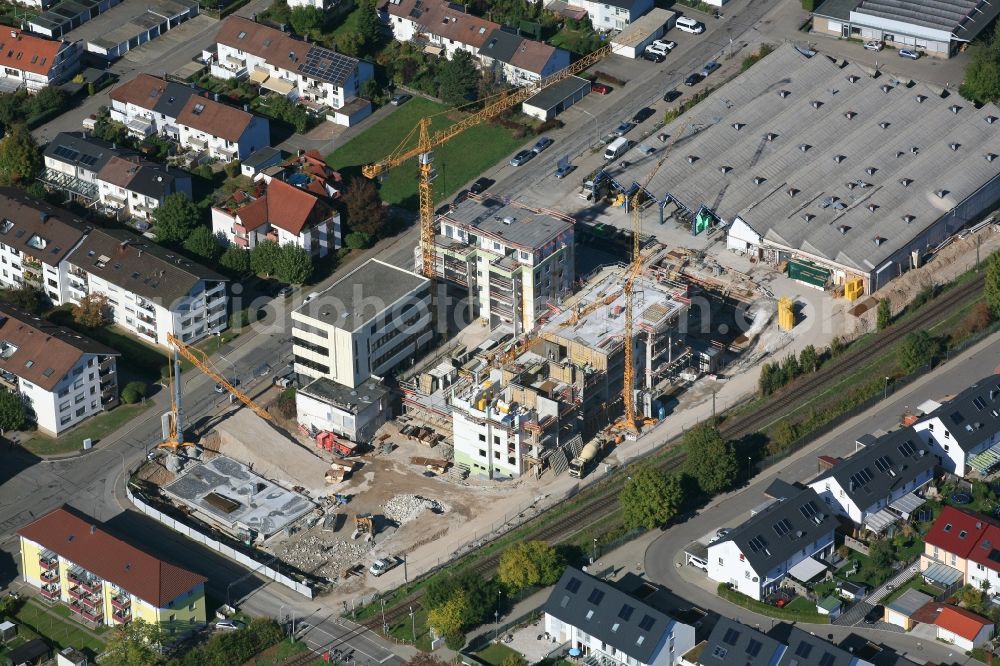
671, 95
653, 55
709, 67
564, 170
481, 185
874, 45
600, 88
542, 144
401, 98
229, 625
642, 115
663, 45
283, 382
875, 615
693, 79
286, 291
521, 158
909, 53
384, 564
623, 129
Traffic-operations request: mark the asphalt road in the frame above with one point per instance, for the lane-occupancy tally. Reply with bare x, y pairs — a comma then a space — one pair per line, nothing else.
693, 587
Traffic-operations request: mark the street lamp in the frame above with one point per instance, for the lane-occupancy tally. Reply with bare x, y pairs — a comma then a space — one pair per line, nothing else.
593, 555
413, 626
885, 390
226, 359
597, 132
749, 469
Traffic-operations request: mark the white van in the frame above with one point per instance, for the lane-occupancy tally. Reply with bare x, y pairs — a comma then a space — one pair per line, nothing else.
686, 24
616, 148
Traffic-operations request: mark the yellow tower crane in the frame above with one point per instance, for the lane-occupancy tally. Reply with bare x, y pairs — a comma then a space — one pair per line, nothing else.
629, 422
428, 141
198, 359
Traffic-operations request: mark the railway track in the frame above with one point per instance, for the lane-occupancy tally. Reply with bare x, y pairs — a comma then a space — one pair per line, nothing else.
603, 499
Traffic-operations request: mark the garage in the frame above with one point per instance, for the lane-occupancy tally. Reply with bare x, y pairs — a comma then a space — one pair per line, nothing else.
553, 100
631, 41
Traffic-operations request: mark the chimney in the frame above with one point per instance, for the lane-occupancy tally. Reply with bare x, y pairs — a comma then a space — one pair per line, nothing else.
93, 529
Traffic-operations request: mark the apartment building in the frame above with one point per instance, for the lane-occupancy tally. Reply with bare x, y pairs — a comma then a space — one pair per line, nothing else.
514, 261
877, 485
520, 61
371, 321
313, 75
70, 559
756, 556
278, 211
965, 429
152, 292
615, 14
64, 377
610, 627
33, 62
35, 239
149, 105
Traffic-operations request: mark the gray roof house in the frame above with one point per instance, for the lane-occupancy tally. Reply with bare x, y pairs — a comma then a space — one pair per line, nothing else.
965, 430
733, 643
601, 621
757, 555
805, 649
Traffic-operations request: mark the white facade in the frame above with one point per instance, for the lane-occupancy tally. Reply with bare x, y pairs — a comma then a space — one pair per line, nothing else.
65, 61
318, 4
673, 643
955, 458
610, 17
831, 492
256, 135
18, 268
324, 405
742, 238
964, 643
728, 564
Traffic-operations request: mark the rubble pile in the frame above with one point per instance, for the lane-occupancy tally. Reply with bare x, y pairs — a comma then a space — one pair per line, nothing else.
401, 509
317, 551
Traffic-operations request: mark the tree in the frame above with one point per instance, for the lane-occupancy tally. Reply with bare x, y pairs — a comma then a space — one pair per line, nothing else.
916, 351
809, 359
235, 260
371, 89
458, 79
264, 257
27, 298
369, 26
982, 74
514, 659
650, 498
134, 392
20, 158
881, 553
293, 264
365, 212
305, 20
93, 311
711, 460
175, 219
350, 42
359, 240
203, 243
529, 563
424, 659
992, 286
134, 643
13, 413
448, 617
883, 316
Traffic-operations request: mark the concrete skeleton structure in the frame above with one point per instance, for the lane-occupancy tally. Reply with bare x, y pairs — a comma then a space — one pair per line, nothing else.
32, 62
515, 261
371, 321
62, 376
936, 28
822, 166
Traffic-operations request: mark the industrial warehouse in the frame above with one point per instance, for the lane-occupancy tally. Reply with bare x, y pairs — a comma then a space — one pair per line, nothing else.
839, 176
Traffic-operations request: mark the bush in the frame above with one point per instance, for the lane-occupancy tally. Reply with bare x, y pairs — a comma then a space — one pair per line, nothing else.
808, 5
455, 640
234, 647
359, 240
232, 169
134, 392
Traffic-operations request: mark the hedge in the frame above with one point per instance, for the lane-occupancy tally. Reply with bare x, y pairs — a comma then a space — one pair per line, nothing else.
740, 599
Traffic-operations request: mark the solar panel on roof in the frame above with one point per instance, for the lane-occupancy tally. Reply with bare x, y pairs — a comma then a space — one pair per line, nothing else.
907, 448
783, 527
808, 509
979, 403
573, 585
883, 464
757, 544
827, 659
89, 160
626, 612
67, 152
803, 650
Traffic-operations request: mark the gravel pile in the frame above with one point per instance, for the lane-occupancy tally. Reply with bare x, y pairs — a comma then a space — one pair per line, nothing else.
401, 509
317, 551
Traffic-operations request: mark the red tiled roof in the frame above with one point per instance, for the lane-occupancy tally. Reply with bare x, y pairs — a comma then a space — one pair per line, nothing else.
214, 118
532, 56
288, 207
947, 531
78, 538
961, 622
254, 214
442, 19
27, 52
139, 91
987, 550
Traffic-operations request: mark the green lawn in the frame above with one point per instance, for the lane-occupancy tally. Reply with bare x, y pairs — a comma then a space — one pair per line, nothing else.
405, 629
804, 611
580, 42
457, 162
95, 428
495, 653
282, 652
351, 23
60, 632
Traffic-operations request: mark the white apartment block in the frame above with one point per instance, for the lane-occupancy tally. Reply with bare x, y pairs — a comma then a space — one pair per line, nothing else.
443, 26
63, 377
151, 291
615, 14
33, 62
515, 261
372, 321
965, 430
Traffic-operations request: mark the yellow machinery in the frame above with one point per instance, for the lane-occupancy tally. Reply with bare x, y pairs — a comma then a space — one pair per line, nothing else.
427, 142
786, 314
198, 359
854, 289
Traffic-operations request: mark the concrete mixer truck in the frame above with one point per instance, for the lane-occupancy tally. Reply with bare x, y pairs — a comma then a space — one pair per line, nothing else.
580, 465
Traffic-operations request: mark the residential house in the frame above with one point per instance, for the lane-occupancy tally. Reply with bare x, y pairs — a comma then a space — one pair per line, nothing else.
877, 485
611, 627
756, 556
261, 159
69, 558
370, 322
520, 61
732, 642
965, 430
132, 188
615, 14
321, 5
65, 378
149, 105
443, 28
806, 647
151, 290
983, 562
319, 77
963, 629
950, 542
35, 238
281, 213
355, 414
73, 160
32, 62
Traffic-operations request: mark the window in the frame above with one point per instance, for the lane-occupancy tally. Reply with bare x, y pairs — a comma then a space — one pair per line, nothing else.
947, 434
496, 439
596, 596
482, 453
482, 437
496, 455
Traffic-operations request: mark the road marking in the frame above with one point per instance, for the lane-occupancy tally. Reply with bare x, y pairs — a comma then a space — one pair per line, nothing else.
345, 639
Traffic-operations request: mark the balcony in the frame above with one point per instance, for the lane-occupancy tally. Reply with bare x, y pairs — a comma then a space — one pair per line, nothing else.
50, 592
146, 305
48, 561
145, 318
50, 576
122, 602
94, 615
89, 585
145, 332
121, 616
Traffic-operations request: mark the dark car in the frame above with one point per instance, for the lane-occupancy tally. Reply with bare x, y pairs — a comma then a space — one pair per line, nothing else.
286, 291
653, 56
481, 185
542, 144
693, 79
710, 67
521, 158
671, 95
623, 129
600, 88
875, 615
400, 99
564, 170
642, 115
